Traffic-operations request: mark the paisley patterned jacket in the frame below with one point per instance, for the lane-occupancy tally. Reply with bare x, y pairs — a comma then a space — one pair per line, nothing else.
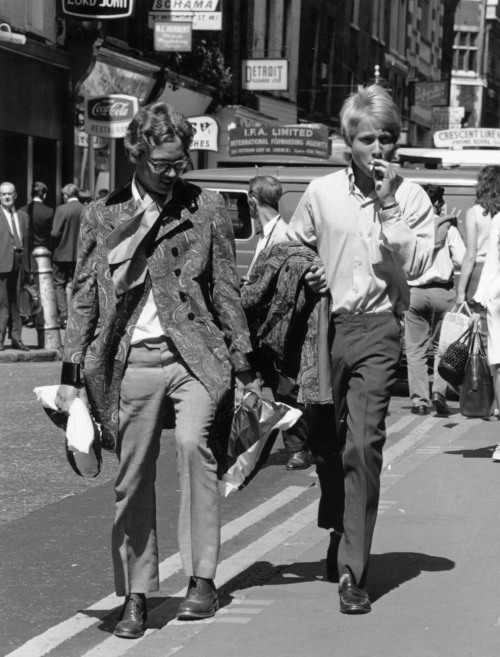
192, 272
289, 323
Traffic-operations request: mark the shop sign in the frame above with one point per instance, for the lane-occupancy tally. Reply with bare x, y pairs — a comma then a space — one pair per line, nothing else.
443, 118
170, 36
208, 20
431, 93
207, 133
282, 140
265, 74
98, 9
109, 116
468, 137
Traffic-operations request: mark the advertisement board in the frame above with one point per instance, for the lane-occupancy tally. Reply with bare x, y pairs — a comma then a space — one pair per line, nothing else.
264, 74
207, 133
173, 37
468, 137
98, 9
109, 116
283, 140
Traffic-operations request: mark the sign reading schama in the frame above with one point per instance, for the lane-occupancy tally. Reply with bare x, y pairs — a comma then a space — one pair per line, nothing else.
101, 9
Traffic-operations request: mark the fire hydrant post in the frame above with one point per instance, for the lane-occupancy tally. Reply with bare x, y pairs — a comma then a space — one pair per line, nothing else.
49, 336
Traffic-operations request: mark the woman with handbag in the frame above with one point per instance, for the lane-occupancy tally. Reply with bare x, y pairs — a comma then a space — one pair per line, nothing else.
488, 296
476, 228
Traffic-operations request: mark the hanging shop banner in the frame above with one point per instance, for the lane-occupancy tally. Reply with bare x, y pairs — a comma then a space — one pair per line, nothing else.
109, 116
203, 14
264, 74
468, 137
430, 93
207, 133
283, 140
173, 37
98, 9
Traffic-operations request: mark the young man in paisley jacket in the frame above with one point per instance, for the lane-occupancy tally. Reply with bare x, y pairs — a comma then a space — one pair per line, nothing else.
156, 267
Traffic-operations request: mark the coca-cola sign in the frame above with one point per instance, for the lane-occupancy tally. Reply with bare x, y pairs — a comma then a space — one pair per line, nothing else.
109, 116
101, 9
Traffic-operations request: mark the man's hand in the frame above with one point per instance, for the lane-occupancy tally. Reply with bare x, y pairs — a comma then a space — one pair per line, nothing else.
316, 279
66, 395
385, 180
246, 381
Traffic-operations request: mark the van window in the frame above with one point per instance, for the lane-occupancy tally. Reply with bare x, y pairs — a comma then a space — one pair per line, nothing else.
239, 213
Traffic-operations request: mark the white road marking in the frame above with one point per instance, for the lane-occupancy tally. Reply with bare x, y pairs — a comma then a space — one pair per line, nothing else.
54, 636
229, 568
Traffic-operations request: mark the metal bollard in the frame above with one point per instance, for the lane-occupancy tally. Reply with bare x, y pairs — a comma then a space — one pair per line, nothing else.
49, 336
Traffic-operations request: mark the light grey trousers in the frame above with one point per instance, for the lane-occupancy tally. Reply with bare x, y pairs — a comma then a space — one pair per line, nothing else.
152, 375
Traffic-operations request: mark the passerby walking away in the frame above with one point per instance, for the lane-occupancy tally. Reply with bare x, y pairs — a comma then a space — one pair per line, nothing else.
65, 232
431, 296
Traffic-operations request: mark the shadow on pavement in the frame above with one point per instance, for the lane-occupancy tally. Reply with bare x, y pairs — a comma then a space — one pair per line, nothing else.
390, 570
479, 453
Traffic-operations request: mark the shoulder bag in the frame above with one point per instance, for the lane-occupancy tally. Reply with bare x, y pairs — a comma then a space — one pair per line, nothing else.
477, 392
452, 364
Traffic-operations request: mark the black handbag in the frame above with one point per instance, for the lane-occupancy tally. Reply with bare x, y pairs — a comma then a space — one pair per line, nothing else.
454, 360
29, 302
477, 392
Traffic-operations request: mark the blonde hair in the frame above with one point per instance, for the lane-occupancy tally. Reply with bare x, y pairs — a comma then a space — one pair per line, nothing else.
371, 102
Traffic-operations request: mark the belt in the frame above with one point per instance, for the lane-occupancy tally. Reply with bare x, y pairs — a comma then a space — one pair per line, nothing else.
447, 286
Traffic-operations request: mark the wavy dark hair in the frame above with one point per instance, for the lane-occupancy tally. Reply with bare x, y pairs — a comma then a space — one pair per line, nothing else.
488, 190
152, 126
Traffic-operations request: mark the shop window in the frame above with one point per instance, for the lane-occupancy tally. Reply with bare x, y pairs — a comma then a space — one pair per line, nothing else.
13, 163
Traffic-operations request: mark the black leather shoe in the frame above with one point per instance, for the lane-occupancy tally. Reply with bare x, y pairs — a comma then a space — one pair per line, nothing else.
201, 600
440, 404
353, 600
332, 569
419, 410
19, 344
300, 460
133, 617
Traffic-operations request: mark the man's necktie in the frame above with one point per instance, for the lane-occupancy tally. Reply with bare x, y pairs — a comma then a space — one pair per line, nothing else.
18, 243
127, 246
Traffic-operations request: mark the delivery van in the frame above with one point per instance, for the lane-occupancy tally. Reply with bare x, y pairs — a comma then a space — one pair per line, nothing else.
232, 175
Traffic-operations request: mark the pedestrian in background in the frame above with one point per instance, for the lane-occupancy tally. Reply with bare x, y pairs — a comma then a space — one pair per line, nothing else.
431, 296
264, 193
64, 234
372, 231
477, 224
487, 296
41, 217
14, 260
157, 267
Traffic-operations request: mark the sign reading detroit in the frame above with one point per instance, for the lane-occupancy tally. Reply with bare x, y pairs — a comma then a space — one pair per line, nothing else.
283, 140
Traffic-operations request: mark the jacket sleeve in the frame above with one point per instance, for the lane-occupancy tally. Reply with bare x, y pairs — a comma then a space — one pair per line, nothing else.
83, 310
226, 297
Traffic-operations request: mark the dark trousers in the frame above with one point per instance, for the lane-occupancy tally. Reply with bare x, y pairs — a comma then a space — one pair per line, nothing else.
295, 438
62, 276
347, 439
10, 288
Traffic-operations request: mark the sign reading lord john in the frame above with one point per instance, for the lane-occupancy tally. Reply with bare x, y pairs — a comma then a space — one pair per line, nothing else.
100, 9
282, 140
109, 116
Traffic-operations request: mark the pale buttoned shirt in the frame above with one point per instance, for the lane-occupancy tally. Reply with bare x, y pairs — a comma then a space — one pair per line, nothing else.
444, 261
267, 231
13, 221
369, 253
148, 327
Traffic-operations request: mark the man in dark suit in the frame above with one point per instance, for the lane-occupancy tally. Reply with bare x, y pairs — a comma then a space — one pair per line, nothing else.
40, 220
13, 238
65, 231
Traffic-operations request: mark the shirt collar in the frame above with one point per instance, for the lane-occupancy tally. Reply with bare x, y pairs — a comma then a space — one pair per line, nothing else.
137, 196
268, 228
